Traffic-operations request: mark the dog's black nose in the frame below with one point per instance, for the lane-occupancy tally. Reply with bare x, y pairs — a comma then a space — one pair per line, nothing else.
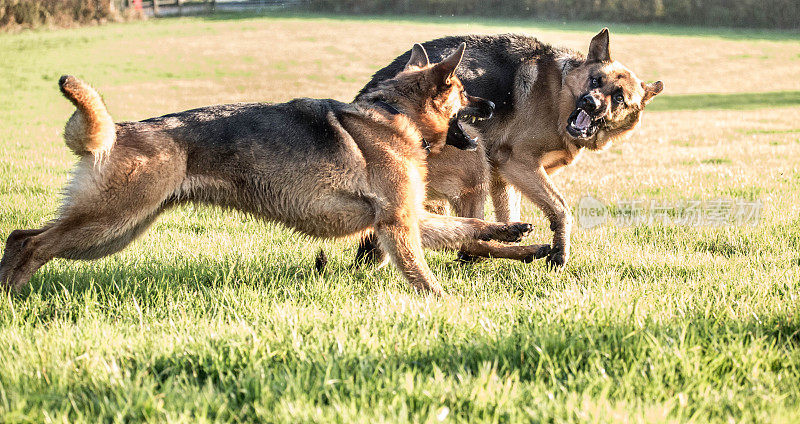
480, 107
490, 106
487, 108
589, 103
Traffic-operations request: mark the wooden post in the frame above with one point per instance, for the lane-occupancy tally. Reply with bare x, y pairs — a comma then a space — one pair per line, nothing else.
180, 7
155, 8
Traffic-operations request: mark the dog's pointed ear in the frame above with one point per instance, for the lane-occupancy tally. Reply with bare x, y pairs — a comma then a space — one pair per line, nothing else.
650, 91
445, 69
598, 48
419, 58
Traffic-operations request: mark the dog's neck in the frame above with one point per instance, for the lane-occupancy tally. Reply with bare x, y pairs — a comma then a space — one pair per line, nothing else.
388, 107
394, 111
576, 143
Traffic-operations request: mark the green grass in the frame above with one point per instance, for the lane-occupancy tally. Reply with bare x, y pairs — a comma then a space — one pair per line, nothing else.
790, 131
533, 23
734, 101
216, 317
716, 161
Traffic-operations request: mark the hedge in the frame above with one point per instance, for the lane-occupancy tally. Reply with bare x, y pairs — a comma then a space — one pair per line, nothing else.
778, 14
32, 13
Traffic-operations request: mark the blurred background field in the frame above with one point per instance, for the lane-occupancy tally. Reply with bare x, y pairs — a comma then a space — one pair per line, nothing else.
213, 316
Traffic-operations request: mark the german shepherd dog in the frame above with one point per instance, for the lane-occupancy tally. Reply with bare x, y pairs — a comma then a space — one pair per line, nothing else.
551, 104
322, 167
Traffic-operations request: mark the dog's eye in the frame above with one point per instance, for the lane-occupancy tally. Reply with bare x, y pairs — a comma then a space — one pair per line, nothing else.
594, 82
619, 98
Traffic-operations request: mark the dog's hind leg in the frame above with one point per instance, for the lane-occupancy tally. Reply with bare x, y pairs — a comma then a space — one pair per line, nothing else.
103, 212
71, 237
15, 245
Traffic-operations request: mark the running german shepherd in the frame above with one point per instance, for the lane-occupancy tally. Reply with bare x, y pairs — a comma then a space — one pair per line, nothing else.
322, 167
551, 104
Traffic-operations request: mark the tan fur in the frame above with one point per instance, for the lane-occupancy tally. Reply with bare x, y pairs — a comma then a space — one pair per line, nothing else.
461, 178
525, 148
356, 169
90, 130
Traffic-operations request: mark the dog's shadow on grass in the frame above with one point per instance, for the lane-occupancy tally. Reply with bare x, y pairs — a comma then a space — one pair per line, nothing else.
274, 276
282, 277
117, 280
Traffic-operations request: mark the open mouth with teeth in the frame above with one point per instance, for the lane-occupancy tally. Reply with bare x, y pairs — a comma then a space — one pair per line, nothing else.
581, 125
457, 135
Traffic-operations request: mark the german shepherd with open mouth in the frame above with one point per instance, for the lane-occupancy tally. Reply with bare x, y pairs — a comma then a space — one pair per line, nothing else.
551, 104
322, 167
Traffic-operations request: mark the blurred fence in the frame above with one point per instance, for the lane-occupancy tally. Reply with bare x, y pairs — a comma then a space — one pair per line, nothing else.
784, 14
186, 7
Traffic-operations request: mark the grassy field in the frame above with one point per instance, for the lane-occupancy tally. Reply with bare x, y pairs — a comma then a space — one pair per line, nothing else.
213, 316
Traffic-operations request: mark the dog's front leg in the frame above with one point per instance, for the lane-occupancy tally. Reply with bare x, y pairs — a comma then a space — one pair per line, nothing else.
493, 249
537, 186
505, 199
440, 231
470, 204
401, 241
368, 252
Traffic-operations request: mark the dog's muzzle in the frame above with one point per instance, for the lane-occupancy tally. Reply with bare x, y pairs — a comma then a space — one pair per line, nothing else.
477, 109
587, 118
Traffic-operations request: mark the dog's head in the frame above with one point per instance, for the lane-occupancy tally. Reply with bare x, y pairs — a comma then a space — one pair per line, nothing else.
433, 98
601, 99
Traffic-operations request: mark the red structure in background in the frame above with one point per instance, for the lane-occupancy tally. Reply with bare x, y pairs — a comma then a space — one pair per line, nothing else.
137, 4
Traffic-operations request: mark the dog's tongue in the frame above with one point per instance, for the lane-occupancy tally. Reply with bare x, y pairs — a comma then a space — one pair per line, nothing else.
582, 121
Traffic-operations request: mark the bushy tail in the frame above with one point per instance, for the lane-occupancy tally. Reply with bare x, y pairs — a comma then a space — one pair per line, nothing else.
90, 130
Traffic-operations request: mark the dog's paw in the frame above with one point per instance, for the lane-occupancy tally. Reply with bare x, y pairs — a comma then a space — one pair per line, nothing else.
541, 251
557, 257
466, 258
512, 232
7, 283
320, 261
